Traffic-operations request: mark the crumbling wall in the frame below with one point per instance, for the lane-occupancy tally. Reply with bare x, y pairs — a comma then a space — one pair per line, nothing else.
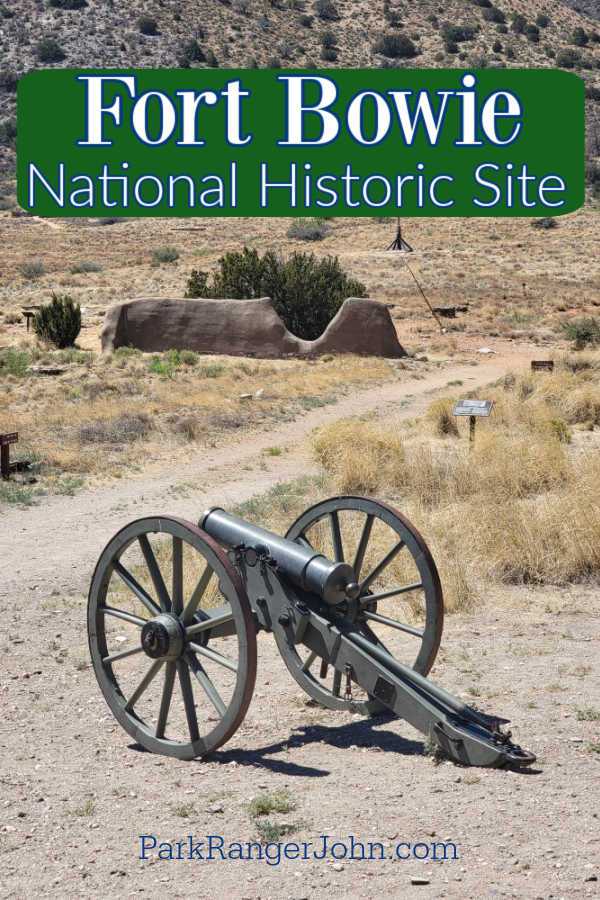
245, 328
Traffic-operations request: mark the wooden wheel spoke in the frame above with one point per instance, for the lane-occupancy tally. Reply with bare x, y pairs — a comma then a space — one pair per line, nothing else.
194, 601
387, 559
309, 661
121, 614
177, 591
394, 592
155, 573
338, 550
113, 657
188, 699
393, 623
165, 702
205, 682
211, 621
136, 587
362, 545
144, 683
212, 654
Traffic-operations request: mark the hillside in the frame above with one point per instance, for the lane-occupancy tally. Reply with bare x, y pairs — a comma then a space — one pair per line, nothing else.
294, 33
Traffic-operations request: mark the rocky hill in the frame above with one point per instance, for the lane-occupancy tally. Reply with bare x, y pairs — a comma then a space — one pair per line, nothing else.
295, 33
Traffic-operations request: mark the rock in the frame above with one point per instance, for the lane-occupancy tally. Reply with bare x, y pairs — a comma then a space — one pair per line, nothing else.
215, 807
417, 879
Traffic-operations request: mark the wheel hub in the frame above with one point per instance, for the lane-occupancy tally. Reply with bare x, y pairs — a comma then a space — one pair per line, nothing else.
163, 637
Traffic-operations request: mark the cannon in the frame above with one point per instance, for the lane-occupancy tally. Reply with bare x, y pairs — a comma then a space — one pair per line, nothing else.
351, 595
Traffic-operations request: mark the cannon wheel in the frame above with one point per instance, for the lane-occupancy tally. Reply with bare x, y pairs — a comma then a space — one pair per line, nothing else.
182, 678
324, 684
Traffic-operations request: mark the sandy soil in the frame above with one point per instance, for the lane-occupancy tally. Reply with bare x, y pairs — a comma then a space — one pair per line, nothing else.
76, 794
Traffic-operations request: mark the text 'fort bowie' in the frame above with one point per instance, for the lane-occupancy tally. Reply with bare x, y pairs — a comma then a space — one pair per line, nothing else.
370, 116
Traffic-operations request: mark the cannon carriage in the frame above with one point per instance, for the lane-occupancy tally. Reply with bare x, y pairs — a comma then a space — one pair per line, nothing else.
351, 595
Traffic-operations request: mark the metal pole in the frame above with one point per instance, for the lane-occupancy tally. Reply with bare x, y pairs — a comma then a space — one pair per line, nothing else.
5, 460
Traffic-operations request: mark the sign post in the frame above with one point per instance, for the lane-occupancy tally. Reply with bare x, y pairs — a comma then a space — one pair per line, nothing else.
5, 441
472, 409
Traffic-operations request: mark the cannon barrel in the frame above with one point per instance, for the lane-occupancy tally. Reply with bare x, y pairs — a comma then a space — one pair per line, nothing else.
299, 563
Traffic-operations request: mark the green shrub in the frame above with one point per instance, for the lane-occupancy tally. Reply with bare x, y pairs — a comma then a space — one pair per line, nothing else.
456, 33
49, 51
497, 47
325, 9
306, 292
8, 81
567, 59
8, 132
493, 14
14, 362
518, 23
190, 52
85, 266
68, 4
395, 46
583, 331
306, 21
546, 222
307, 229
532, 33
542, 21
58, 321
579, 37
164, 255
329, 54
328, 39
32, 270
148, 26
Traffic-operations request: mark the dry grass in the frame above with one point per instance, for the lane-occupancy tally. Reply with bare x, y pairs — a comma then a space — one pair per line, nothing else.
131, 409
523, 505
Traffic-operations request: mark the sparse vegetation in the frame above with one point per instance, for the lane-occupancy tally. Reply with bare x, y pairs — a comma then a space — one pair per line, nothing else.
307, 229
148, 26
48, 50
265, 804
32, 270
583, 331
395, 46
164, 255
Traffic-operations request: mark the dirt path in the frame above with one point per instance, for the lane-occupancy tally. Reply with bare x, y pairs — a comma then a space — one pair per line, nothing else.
75, 795
61, 538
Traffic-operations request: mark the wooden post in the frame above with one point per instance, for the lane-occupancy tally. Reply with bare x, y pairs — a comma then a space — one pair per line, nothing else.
5, 460
472, 420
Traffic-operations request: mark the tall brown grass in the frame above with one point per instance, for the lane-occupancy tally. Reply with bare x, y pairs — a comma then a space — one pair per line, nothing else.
522, 505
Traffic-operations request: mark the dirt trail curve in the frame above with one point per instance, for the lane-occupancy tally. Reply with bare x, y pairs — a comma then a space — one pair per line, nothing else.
57, 542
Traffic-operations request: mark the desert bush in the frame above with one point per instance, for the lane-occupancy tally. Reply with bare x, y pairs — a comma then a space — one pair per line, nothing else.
306, 21
14, 362
329, 54
190, 52
440, 414
583, 331
497, 47
493, 14
456, 33
327, 10
542, 20
395, 46
306, 292
532, 33
148, 26
164, 255
125, 428
567, 59
307, 229
545, 223
32, 269
48, 50
8, 81
579, 37
68, 4
84, 266
8, 132
58, 321
518, 23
